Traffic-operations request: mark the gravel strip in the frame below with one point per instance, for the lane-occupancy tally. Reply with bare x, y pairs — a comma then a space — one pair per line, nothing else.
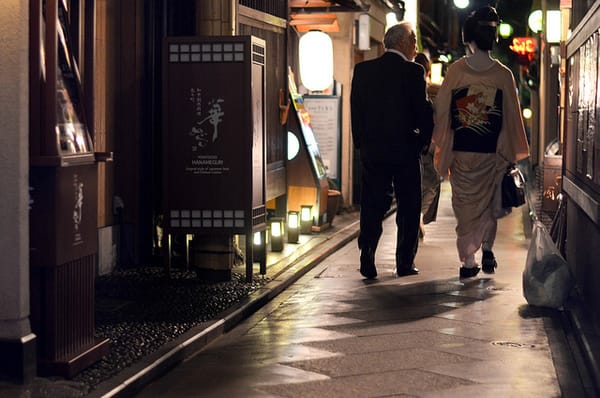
141, 309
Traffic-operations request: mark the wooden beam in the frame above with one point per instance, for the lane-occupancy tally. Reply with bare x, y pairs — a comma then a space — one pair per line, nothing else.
324, 22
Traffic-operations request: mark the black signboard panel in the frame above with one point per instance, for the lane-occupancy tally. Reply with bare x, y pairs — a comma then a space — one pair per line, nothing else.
213, 136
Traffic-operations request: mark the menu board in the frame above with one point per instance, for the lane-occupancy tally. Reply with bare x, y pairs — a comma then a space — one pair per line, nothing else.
324, 113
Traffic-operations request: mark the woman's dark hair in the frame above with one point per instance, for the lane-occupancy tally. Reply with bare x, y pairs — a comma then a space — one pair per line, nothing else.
423, 60
481, 27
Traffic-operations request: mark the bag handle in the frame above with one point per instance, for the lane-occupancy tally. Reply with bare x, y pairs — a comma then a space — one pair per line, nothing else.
532, 214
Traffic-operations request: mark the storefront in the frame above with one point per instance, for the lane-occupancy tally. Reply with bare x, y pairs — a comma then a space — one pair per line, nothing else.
581, 174
96, 133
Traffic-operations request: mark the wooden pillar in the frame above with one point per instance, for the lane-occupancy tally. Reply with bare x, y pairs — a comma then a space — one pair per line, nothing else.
17, 343
216, 17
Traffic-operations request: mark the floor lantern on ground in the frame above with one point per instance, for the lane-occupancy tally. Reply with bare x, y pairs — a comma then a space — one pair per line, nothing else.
306, 219
276, 234
293, 228
258, 246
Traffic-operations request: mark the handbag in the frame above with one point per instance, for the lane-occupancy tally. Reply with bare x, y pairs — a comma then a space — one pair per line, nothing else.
513, 188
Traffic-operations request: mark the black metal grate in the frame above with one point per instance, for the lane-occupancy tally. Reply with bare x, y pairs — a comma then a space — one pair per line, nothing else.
273, 7
259, 215
543, 216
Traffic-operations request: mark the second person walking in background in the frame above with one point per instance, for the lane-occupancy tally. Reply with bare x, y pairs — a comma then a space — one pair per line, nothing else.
478, 133
391, 126
430, 179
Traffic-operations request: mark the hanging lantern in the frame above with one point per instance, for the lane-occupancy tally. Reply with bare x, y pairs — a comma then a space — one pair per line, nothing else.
316, 60
390, 20
553, 24
462, 4
534, 21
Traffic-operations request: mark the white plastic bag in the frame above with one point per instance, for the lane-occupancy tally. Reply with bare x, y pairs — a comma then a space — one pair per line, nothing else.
547, 280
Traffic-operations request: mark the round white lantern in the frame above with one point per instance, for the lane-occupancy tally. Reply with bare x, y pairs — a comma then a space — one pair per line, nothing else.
293, 146
316, 60
535, 21
505, 30
462, 4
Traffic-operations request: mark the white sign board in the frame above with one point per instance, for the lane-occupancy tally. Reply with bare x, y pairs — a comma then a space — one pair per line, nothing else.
325, 122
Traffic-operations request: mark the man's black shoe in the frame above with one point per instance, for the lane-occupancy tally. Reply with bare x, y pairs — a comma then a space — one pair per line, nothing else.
367, 264
407, 271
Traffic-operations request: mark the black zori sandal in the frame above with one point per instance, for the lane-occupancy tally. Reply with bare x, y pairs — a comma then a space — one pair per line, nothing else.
466, 272
488, 262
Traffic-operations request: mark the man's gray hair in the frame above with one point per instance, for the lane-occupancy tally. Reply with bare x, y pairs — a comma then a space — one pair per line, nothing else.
397, 34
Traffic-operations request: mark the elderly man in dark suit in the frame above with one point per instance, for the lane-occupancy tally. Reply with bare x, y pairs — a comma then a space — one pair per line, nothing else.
392, 122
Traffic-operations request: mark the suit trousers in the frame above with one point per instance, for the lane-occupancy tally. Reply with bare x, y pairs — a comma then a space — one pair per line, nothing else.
381, 182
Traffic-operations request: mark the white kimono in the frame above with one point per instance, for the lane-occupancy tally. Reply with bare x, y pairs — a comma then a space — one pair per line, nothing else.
474, 176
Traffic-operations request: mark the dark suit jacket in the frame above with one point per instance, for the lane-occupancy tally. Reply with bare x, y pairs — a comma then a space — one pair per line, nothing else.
392, 119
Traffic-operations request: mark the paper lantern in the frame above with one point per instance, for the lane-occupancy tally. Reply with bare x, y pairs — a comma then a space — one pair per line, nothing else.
316, 60
462, 4
553, 24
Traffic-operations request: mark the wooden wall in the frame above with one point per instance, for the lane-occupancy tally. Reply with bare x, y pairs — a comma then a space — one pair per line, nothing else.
273, 31
118, 105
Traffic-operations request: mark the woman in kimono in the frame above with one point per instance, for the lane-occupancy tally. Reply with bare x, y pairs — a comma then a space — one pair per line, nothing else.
478, 133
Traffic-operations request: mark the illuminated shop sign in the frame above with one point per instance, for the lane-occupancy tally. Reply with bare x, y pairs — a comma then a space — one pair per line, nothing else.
524, 46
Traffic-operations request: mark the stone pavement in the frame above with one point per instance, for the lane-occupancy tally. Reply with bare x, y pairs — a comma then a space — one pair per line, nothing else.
333, 334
